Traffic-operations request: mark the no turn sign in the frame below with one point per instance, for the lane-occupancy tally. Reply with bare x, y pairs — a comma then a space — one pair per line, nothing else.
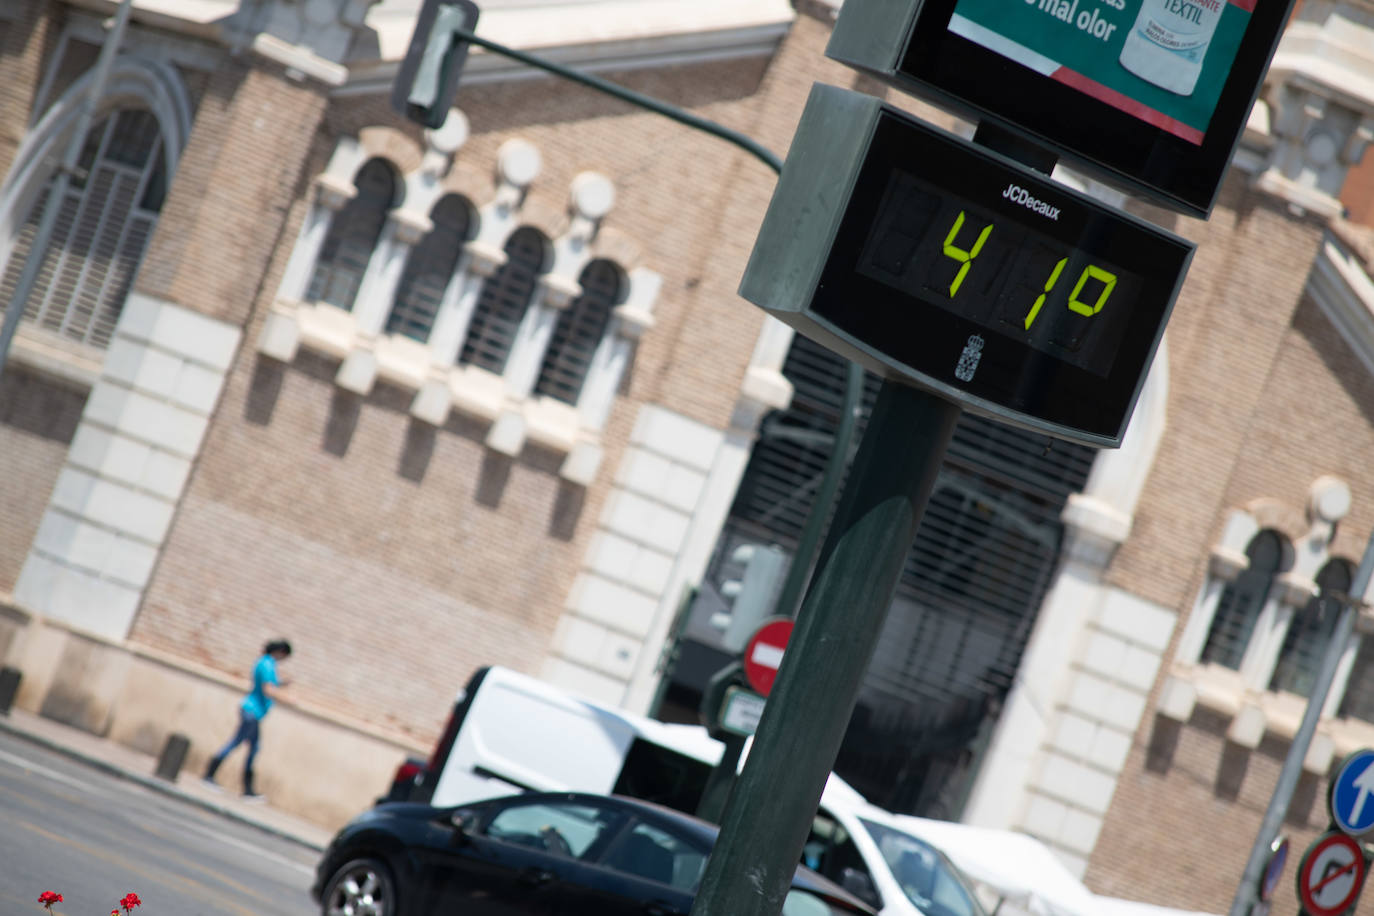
1331, 875
763, 653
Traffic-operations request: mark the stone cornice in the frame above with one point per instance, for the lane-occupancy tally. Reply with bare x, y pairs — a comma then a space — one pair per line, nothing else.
594, 36
299, 62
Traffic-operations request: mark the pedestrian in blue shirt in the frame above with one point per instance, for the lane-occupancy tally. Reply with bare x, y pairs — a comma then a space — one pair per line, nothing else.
266, 684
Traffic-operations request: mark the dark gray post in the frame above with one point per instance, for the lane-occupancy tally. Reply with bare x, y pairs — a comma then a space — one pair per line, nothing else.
172, 757
770, 810
9, 688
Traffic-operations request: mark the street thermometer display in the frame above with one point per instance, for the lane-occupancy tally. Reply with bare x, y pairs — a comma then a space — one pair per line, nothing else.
934, 260
996, 270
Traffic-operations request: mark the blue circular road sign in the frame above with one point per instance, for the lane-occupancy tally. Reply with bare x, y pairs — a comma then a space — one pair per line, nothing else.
1352, 794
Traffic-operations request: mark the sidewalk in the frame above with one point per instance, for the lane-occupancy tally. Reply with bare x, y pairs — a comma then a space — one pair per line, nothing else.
129, 764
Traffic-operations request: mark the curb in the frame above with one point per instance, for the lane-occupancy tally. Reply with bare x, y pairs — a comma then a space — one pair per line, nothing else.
154, 783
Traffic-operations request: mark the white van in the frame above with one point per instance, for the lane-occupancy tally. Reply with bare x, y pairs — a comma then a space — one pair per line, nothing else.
508, 733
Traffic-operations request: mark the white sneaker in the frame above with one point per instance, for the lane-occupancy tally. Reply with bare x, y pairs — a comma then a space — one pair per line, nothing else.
210, 784
253, 798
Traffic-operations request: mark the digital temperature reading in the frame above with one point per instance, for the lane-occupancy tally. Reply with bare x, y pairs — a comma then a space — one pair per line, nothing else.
940, 262
1000, 273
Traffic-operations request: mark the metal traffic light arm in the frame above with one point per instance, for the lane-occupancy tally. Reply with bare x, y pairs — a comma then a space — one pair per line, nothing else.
760, 152
790, 596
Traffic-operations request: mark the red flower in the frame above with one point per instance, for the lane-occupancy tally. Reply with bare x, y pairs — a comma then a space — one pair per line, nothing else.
48, 898
130, 901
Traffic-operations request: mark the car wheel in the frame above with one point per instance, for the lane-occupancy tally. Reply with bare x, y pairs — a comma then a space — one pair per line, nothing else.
361, 887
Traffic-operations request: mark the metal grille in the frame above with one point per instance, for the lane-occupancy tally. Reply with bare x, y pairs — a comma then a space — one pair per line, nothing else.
353, 234
504, 299
578, 332
1241, 602
429, 269
1310, 631
102, 230
969, 592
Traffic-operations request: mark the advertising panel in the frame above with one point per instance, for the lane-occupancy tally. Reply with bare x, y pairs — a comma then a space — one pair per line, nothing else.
1149, 94
1162, 61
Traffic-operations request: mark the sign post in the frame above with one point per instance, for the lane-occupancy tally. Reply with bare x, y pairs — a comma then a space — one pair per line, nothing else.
968, 278
1244, 900
768, 816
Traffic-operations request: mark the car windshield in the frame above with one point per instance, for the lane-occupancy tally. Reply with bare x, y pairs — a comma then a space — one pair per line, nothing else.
804, 903
927, 878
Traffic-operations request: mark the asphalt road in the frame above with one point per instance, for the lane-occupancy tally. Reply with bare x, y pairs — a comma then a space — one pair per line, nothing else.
93, 838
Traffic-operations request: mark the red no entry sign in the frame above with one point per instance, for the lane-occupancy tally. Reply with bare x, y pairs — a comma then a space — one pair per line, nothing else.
763, 654
1331, 875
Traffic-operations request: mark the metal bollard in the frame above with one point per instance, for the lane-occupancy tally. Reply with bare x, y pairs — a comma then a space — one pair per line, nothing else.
9, 687
172, 757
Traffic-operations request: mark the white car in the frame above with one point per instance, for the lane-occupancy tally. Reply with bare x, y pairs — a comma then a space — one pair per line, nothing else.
867, 851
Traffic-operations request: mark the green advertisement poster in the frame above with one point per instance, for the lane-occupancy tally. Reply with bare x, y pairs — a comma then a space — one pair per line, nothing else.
1163, 61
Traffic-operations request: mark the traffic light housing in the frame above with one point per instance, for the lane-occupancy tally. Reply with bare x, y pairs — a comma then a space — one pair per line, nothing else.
427, 81
754, 593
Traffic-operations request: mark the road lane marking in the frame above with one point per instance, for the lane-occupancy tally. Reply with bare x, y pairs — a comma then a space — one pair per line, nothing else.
205, 831
188, 885
38, 769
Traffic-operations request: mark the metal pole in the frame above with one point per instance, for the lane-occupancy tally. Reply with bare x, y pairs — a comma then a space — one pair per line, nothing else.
717, 792
1247, 894
750, 145
770, 811
792, 586
70, 160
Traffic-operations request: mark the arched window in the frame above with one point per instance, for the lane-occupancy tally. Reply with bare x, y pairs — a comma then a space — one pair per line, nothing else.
1241, 602
106, 218
1310, 631
505, 297
578, 332
429, 269
353, 233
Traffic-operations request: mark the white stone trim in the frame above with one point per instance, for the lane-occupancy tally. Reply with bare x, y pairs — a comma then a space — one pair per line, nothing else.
1089, 665
67, 361
127, 467
299, 62
455, 313
612, 357
1266, 639
633, 574
718, 491
1056, 771
609, 35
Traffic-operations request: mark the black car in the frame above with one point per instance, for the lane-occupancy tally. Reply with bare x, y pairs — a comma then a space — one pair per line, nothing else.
537, 854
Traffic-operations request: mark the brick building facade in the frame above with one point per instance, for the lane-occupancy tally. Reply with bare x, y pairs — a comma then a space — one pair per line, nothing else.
424, 401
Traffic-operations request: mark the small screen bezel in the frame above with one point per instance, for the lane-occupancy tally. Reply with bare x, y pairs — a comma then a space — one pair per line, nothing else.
1170, 169
923, 340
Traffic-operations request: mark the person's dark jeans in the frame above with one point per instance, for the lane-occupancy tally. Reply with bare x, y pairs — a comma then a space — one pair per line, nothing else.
247, 731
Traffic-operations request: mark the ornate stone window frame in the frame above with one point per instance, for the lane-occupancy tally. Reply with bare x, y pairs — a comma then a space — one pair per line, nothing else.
1244, 695
367, 353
